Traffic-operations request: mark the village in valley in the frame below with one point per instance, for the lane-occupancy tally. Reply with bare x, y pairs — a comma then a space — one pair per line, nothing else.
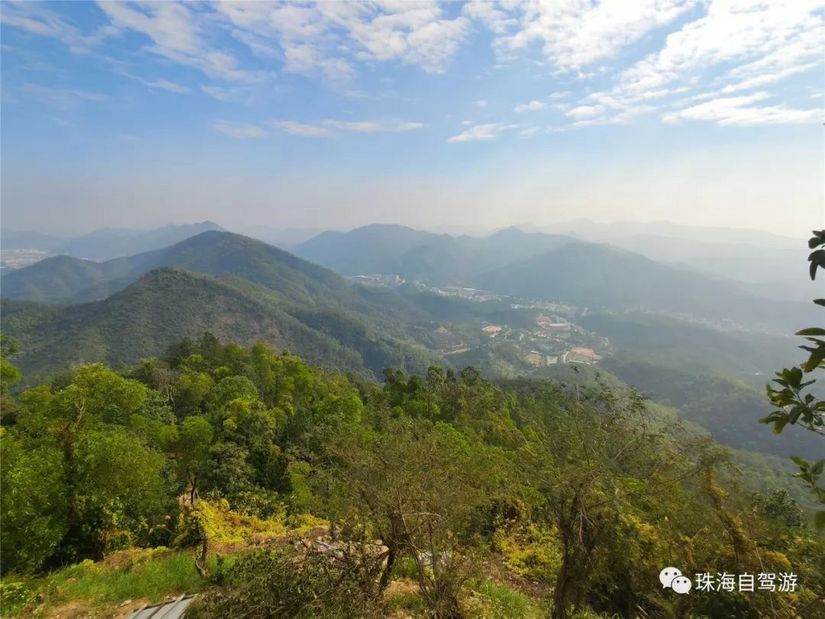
542, 333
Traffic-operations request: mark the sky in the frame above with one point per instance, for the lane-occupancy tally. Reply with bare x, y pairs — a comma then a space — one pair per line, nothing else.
437, 115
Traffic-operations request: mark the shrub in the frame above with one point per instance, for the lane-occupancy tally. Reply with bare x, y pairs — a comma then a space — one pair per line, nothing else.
290, 582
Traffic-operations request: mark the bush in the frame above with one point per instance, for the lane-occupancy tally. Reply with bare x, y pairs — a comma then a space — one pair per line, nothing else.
290, 582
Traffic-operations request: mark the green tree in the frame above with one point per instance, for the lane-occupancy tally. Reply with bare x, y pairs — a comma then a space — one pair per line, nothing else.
417, 486
33, 503
192, 452
9, 376
792, 396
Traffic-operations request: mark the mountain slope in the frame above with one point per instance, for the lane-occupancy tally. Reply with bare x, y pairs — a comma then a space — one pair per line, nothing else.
28, 239
111, 243
604, 277
64, 279
369, 249
167, 305
438, 259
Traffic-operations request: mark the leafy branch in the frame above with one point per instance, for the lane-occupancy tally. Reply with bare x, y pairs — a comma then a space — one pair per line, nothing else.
793, 404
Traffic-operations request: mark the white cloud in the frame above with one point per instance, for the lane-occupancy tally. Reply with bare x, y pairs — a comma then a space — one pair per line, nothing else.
486, 131
327, 127
161, 84
585, 112
532, 106
370, 126
751, 30
740, 112
178, 33
241, 131
716, 47
754, 42
36, 18
573, 33
329, 37
302, 129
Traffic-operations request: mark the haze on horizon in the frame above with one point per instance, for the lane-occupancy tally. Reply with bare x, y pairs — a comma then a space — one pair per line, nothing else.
470, 116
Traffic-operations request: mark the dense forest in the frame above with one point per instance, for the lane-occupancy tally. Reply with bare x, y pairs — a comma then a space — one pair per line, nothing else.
288, 490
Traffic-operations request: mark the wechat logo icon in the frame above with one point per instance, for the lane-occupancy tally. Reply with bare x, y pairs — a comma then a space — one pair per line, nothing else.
671, 577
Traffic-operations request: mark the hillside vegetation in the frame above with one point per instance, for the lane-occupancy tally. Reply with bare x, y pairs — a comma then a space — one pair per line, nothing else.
169, 305
466, 496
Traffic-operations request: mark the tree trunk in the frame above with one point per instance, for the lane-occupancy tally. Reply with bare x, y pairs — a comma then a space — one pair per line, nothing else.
386, 575
560, 593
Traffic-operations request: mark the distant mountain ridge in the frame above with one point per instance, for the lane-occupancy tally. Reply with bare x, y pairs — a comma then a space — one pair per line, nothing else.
105, 243
434, 258
64, 279
239, 288
111, 243
168, 305
551, 267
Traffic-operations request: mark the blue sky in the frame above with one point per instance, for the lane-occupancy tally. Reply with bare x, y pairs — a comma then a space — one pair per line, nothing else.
472, 115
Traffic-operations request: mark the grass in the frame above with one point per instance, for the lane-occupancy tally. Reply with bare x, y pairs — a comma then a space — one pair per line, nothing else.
144, 575
494, 599
138, 575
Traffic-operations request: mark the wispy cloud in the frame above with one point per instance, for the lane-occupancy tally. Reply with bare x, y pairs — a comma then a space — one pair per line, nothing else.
167, 86
373, 126
532, 106
486, 131
329, 126
37, 18
62, 97
304, 130
332, 37
178, 33
571, 34
712, 48
766, 42
240, 131
741, 112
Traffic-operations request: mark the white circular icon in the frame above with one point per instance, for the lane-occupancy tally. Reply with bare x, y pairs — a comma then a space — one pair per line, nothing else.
681, 584
667, 575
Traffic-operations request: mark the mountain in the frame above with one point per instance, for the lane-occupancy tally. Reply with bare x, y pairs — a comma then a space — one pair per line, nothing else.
167, 305
253, 290
438, 259
285, 238
111, 243
64, 279
28, 239
609, 232
769, 265
603, 277
369, 249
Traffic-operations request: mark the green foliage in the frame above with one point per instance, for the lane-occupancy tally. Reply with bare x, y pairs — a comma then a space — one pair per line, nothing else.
127, 575
497, 600
34, 506
487, 496
793, 404
286, 583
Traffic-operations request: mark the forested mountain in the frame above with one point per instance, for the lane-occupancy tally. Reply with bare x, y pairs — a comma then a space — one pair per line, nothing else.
604, 277
246, 291
111, 243
168, 305
65, 279
433, 258
553, 268
369, 249
219, 468
248, 427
